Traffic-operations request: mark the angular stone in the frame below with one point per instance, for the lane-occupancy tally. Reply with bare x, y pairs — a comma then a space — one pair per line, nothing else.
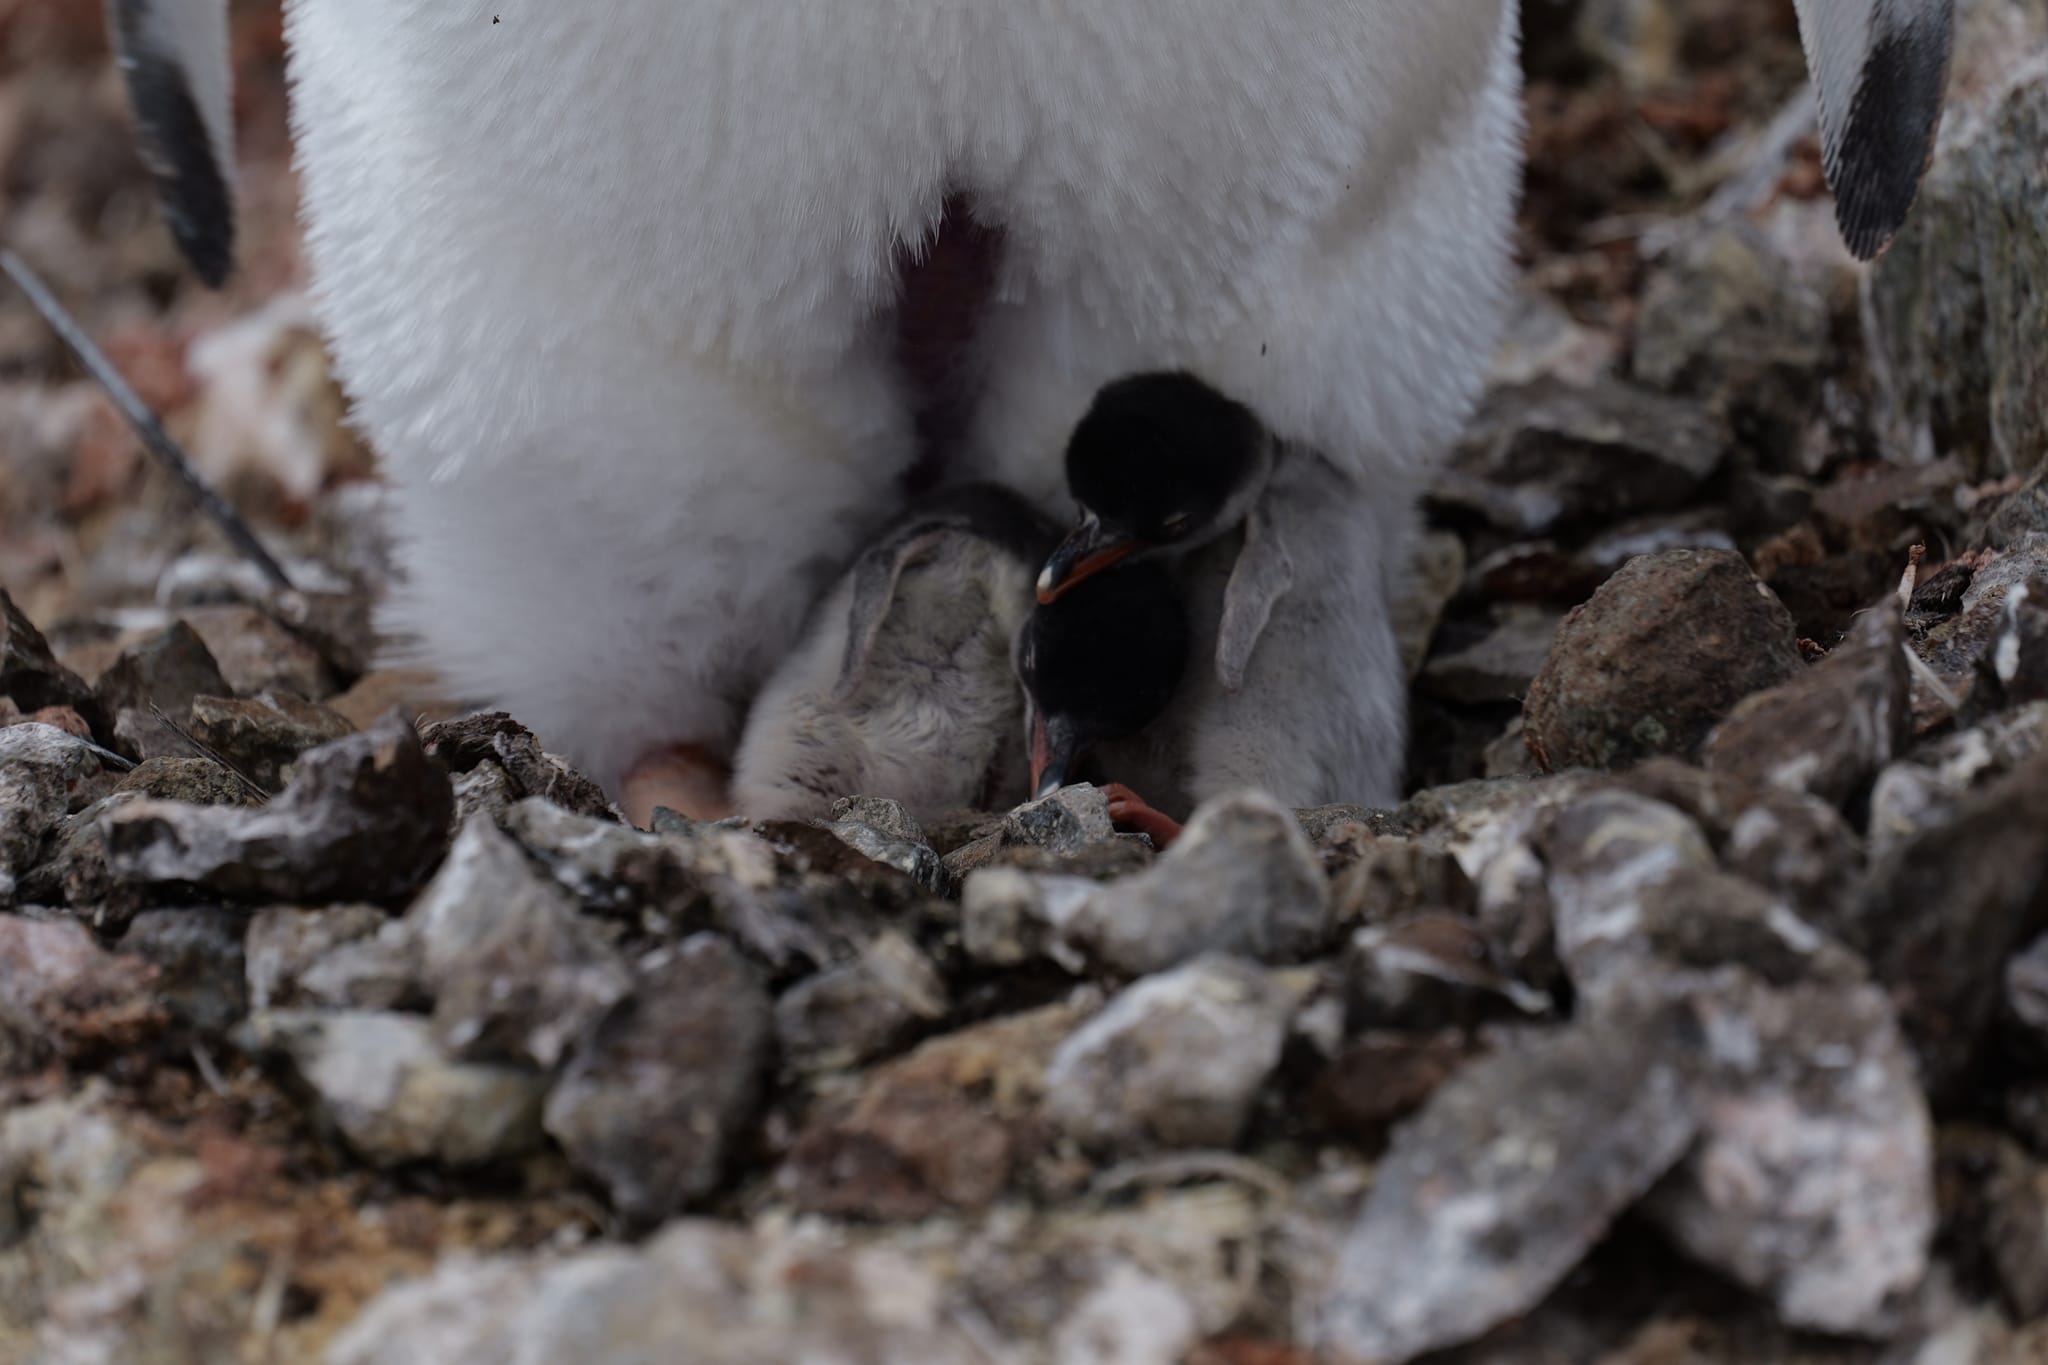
1381, 1077
883, 816
258, 655
394, 1095
463, 744
654, 1103
1813, 1179
1071, 820
1830, 729
164, 671
30, 675
1241, 879
1928, 787
284, 946
1729, 318
704, 1292
202, 977
62, 995
2026, 1002
1551, 456
1661, 653
1176, 1060
1940, 913
1499, 666
1429, 972
1508, 1177
1956, 303
263, 736
851, 1014
944, 1128
1995, 1217
1640, 904
44, 775
914, 860
365, 818
515, 972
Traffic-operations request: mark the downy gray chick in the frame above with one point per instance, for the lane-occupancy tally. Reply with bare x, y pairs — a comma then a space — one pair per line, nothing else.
901, 686
1279, 558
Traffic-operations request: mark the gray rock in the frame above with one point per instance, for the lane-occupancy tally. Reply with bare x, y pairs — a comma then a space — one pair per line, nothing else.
62, 995
913, 859
284, 946
1928, 787
394, 1095
257, 655
202, 977
1939, 914
794, 896
45, 774
1394, 879
1071, 820
195, 781
1430, 971
365, 818
1829, 730
30, 675
851, 1014
1661, 653
485, 790
1241, 879
1813, 1179
1507, 1178
885, 817
263, 736
495, 737
2026, 1001
1418, 604
1729, 318
1995, 1216
1176, 1060
710, 1293
514, 971
1641, 906
1499, 666
1956, 308
1551, 456
652, 1105
164, 670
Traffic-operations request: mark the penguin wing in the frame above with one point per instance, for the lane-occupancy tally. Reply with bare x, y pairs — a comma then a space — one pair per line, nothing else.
1879, 68
875, 576
173, 56
1261, 577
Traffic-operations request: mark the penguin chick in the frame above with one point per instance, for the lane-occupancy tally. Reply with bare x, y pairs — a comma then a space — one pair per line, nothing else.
1100, 663
901, 687
1280, 557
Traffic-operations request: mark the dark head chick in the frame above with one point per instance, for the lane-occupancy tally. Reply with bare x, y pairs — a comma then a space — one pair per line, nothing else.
1100, 663
1159, 461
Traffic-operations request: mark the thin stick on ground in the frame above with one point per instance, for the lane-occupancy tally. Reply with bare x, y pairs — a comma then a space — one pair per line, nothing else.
151, 431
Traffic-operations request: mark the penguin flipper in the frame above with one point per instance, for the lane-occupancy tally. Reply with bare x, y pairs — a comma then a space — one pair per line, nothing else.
1880, 69
173, 56
1261, 577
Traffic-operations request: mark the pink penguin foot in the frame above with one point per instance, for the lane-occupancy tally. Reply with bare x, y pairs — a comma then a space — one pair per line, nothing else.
1127, 809
683, 777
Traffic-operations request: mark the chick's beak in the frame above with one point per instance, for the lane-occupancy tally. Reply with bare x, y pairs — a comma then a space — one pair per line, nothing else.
1088, 549
1054, 748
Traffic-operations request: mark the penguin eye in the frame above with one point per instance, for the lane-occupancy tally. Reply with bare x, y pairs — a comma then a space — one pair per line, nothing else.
1175, 524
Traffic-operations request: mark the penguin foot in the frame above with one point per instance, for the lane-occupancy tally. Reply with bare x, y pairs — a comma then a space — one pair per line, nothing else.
683, 777
1126, 807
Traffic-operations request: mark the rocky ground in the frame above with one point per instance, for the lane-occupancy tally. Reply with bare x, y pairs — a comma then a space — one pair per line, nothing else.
1693, 1009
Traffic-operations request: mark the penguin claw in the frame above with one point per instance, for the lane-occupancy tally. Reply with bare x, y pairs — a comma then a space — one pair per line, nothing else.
1126, 807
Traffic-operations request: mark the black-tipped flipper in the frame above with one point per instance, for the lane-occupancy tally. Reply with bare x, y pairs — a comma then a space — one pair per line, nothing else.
1880, 69
173, 56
